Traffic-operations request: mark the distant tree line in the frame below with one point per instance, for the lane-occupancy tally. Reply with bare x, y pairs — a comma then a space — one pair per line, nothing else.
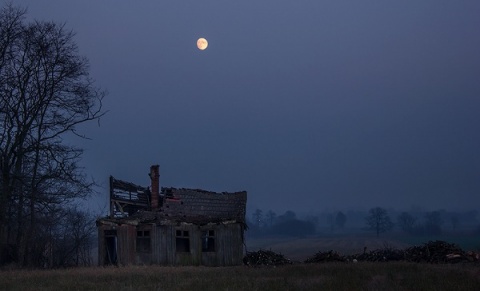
426, 223
432, 225
336, 221
45, 93
286, 224
377, 220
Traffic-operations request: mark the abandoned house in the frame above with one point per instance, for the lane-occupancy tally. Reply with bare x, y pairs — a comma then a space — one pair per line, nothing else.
170, 226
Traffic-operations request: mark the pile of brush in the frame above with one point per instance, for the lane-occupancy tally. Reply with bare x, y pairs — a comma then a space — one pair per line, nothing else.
382, 255
431, 252
265, 258
330, 256
438, 252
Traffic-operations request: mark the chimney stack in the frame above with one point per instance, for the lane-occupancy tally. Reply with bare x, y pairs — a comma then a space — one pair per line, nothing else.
155, 186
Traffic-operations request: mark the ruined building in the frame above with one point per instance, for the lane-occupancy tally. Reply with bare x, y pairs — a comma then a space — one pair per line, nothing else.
170, 226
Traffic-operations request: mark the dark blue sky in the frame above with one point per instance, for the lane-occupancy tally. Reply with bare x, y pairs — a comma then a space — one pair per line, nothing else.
307, 105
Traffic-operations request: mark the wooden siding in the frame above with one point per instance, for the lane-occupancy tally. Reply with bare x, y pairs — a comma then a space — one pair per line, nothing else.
147, 257
163, 251
126, 244
101, 245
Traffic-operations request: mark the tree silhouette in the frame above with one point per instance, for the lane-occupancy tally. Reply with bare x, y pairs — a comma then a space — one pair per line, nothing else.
45, 94
270, 217
406, 222
433, 222
378, 220
257, 217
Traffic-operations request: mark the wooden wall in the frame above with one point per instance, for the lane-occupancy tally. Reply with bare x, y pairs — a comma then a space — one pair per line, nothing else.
125, 243
228, 245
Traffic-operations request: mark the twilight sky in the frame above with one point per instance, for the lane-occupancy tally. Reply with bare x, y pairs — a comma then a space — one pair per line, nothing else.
307, 105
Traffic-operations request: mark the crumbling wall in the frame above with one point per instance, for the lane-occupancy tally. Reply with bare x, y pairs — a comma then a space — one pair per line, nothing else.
203, 204
190, 227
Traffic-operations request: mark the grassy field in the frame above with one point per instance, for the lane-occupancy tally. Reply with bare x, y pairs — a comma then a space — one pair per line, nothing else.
328, 276
323, 276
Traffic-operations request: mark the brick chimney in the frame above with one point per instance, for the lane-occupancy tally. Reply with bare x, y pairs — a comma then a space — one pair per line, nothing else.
155, 186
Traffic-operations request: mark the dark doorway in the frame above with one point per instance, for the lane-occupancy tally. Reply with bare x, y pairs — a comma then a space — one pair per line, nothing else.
110, 247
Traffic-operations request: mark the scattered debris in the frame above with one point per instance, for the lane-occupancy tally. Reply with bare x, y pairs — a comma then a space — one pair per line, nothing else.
438, 252
431, 252
265, 258
382, 255
330, 256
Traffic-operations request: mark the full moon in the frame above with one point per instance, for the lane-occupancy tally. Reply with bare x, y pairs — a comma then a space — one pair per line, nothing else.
202, 43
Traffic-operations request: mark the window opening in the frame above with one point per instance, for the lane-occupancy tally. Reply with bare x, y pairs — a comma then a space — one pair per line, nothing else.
208, 241
182, 241
143, 241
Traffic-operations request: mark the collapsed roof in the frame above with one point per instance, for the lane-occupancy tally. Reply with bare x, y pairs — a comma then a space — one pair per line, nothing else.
133, 204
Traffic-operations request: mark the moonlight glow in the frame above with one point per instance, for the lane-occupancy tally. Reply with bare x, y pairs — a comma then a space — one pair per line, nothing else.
202, 43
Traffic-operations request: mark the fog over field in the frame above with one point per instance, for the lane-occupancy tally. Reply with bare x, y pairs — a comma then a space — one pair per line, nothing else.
310, 106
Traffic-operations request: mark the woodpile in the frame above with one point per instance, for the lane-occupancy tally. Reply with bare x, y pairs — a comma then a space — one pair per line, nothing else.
438, 252
431, 252
265, 258
383, 255
330, 256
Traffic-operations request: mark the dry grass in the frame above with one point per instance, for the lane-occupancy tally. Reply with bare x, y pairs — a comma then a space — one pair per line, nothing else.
330, 276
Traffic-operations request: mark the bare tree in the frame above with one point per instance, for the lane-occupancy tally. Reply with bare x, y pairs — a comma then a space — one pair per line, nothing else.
74, 238
258, 217
45, 93
406, 222
270, 217
433, 222
378, 220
